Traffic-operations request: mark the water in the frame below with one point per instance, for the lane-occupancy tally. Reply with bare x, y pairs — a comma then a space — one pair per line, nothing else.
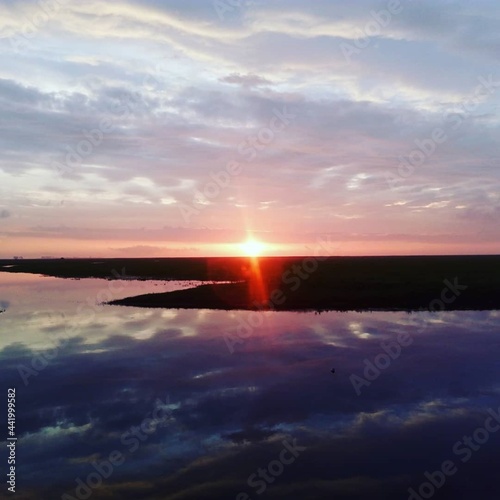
242, 405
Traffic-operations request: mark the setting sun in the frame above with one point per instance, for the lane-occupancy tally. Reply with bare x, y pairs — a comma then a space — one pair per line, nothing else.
252, 248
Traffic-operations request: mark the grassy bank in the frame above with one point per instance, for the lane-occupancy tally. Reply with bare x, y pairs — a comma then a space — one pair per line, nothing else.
297, 283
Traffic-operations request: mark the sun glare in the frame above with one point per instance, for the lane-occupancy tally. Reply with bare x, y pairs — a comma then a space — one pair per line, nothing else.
252, 248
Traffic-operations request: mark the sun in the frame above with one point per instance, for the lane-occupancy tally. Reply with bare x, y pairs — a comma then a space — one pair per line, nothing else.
252, 248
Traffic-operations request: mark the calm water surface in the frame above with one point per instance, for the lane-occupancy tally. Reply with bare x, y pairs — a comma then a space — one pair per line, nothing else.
120, 403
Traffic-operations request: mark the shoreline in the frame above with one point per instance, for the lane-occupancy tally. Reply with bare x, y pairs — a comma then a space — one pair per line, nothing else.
297, 283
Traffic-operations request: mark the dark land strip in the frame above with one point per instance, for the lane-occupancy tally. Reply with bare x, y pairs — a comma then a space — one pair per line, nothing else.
298, 283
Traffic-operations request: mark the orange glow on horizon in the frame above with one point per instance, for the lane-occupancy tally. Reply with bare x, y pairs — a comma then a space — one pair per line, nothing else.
34, 247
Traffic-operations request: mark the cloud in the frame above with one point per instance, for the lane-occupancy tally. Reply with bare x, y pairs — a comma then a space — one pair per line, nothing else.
245, 80
152, 251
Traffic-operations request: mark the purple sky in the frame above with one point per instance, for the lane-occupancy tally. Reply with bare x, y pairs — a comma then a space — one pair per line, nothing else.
183, 127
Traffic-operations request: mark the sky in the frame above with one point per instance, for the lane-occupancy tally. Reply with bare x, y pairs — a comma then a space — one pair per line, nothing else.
183, 128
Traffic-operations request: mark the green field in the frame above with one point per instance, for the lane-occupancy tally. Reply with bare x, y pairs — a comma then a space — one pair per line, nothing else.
299, 283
